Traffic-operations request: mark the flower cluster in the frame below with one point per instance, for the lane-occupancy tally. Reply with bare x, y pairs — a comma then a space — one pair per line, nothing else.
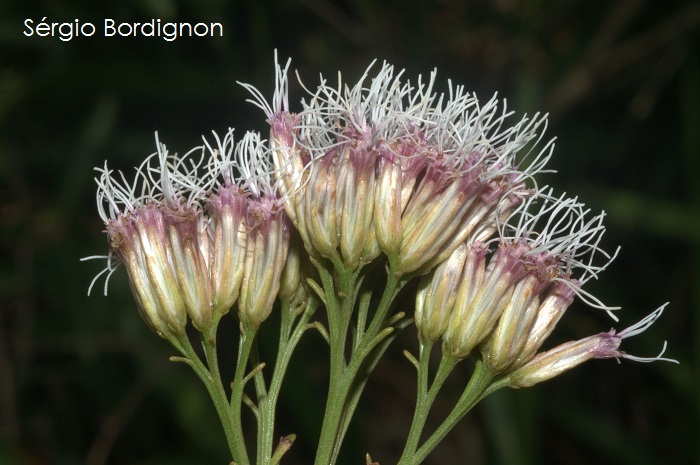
394, 167
198, 234
440, 185
507, 301
437, 185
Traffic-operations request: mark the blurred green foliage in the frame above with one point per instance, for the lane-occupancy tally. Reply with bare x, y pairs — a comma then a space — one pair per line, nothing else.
82, 380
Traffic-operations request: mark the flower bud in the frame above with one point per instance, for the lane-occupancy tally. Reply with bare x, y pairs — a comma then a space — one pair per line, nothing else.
566, 356
318, 214
387, 207
289, 161
478, 308
291, 277
509, 336
433, 216
266, 253
141, 242
191, 267
436, 296
559, 297
355, 207
229, 246
397, 169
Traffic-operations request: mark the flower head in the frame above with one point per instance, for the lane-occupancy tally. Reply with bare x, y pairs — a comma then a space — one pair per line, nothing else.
571, 354
436, 296
155, 228
268, 234
196, 232
228, 205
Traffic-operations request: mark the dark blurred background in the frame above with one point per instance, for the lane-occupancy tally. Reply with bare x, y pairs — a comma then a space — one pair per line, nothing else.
83, 381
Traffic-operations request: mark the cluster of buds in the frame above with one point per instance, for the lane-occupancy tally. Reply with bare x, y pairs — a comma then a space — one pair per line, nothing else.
198, 234
505, 302
396, 168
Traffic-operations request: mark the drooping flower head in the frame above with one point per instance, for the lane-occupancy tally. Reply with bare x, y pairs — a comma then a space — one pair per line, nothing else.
553, 362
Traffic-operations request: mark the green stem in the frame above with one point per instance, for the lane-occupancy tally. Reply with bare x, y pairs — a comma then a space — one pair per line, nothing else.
362, 377
268, 405
394, 284
263, 406
364, 301
344, 387
211, 378
237, 392
337, 384
473, 393
425, 396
